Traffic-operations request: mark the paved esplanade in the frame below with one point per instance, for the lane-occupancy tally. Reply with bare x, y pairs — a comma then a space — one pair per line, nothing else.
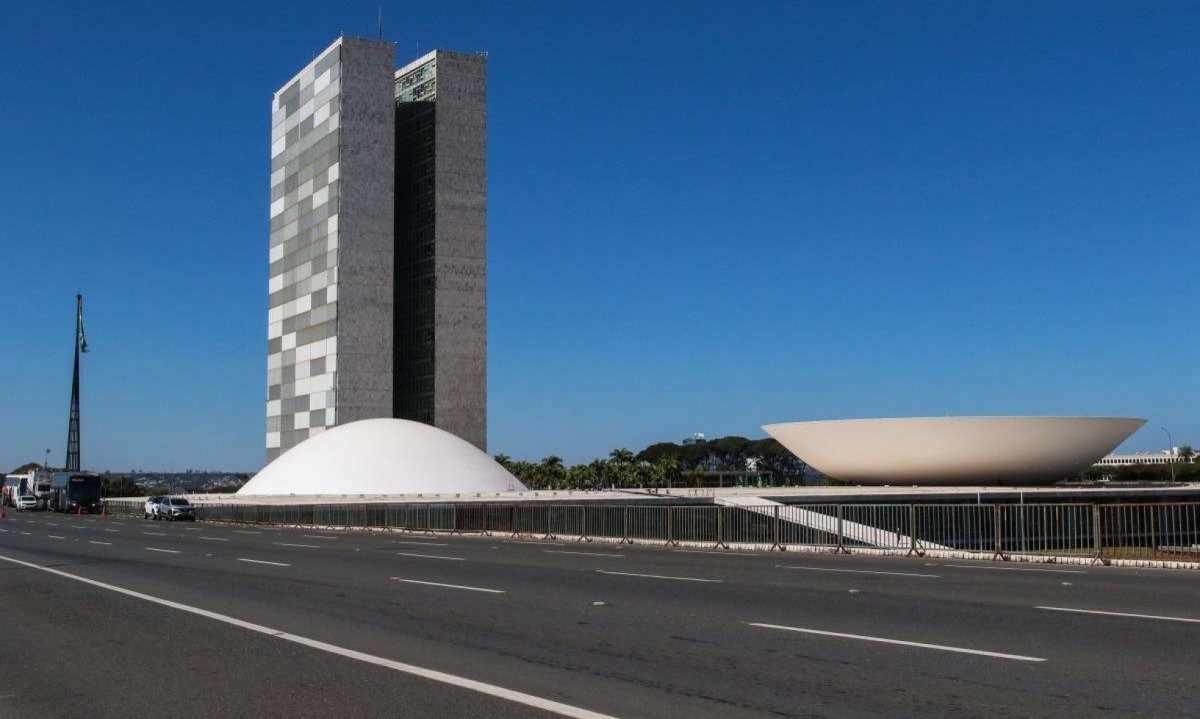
270, 622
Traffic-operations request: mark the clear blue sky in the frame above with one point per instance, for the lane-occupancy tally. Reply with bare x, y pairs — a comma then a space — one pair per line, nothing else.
704, 216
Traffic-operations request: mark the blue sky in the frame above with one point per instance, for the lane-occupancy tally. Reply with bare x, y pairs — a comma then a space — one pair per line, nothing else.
703, 216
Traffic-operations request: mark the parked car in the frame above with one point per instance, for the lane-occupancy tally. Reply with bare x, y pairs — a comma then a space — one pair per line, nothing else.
150, 511
176, 508
28, 501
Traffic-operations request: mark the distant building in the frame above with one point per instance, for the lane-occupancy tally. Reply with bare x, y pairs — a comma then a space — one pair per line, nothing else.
697, 438
1166, 456
378, 222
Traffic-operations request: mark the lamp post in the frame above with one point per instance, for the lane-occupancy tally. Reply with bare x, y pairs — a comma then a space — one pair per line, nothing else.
46, 464
1170, 452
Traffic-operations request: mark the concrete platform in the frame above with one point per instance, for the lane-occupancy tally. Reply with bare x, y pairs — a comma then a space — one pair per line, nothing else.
1105, 493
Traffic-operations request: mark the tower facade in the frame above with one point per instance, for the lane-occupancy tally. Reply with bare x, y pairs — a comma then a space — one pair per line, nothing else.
441, 244
377, 304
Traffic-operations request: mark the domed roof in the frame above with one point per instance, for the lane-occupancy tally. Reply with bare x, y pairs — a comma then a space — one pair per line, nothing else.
382, 456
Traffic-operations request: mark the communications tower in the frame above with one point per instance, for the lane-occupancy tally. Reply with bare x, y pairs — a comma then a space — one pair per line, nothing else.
72, 464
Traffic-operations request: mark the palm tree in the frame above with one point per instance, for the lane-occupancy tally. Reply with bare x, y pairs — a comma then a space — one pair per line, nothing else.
552, 471
621, 456
668, 467
526, 472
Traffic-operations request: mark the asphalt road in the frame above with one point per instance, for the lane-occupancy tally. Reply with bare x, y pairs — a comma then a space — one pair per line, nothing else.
219, 620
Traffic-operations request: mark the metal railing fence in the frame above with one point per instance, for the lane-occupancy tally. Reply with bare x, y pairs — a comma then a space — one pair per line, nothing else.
1100, 531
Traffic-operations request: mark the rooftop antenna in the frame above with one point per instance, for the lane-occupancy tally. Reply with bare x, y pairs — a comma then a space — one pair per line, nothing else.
381, 23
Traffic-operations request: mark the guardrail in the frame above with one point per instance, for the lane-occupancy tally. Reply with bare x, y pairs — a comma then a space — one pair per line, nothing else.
1097, 531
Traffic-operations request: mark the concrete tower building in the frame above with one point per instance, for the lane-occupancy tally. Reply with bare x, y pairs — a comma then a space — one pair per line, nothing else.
378, 240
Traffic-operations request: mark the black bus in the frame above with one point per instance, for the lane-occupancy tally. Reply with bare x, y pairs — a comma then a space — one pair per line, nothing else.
74, 492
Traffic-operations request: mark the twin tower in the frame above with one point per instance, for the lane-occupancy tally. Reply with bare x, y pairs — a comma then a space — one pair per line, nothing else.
378, 274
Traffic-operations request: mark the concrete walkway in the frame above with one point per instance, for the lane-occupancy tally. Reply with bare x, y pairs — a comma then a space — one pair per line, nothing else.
856, 531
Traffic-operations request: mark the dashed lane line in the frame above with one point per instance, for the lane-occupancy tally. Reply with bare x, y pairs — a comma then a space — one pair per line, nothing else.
424, 544
492, 690
165, 551
95, 542
214, 539
584, 554
263, 561
319, 536
858, 571
306, 546
1016, 569
1122, 614
55, 536
901, 642
429, 556
156, 534
242, 531
660, 576
449, 586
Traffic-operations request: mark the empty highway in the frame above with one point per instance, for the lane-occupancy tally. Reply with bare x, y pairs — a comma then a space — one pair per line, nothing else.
118, 617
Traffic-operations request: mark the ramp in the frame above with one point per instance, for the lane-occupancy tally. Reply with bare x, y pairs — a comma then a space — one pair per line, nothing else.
853, 531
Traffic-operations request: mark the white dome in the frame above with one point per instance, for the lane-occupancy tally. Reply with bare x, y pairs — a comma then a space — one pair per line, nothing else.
382, 456
954, 450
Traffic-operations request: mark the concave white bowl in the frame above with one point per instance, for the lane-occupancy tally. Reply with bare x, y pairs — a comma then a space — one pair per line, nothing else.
954, 450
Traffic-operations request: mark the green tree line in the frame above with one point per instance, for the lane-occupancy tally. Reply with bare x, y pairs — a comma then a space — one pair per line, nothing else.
665, 464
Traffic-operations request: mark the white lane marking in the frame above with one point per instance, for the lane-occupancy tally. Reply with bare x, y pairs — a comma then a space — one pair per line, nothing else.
545, 544
1122, 614
711, 551
105, 543
55, 536
660, 576
1016, 569
921, 645
242, 531
50, 524
424, 544
263, 561
493, 690
156, 534
449, 586
193, 529
857, 571
586, 554
214, 539
156, 549
4, 530
111, 530
429, 556
115, 522
319, 536
306, 546
25, 533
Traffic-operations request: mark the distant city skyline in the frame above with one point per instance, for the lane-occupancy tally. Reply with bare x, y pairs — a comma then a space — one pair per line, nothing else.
701, 217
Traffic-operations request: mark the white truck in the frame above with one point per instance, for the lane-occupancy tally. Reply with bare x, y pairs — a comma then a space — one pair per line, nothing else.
35, 482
